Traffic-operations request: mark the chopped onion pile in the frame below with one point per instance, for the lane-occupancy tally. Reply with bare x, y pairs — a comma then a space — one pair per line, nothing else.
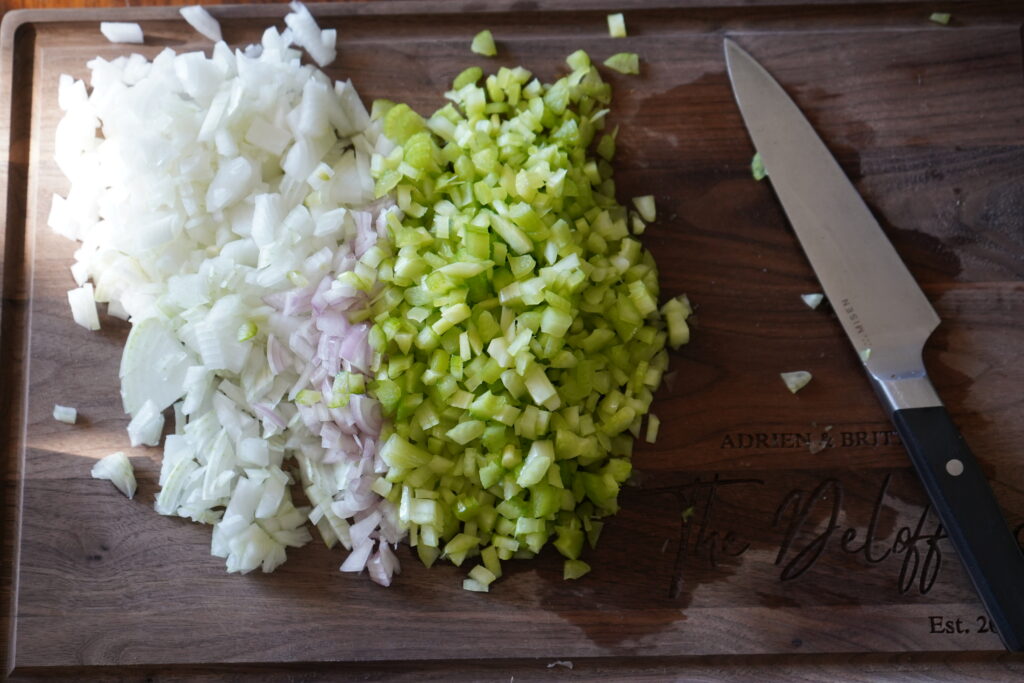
518, 328
217, 210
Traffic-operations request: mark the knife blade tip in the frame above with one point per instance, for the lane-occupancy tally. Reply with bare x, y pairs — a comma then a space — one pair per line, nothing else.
733, 53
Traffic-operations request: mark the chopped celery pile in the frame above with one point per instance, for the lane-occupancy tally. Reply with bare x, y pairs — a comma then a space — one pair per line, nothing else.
516, 327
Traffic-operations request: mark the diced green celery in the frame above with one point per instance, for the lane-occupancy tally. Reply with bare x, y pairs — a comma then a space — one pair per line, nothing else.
624, 63
379, 108
675, 312
482, 575
652, 428
401, 123
528, 525
618, 468
428, 535
594, 532
424, 511
569, 542
546, 499
619, 421
465, 432
510, 288
308, 397
574, 569
796, 380
757, 167
427, 554
490, 474
470, 75
382, 487
616, 25
538, 460
489, 555
483, 44
578, 60
503, 542
466, 507
602, 490
540, 388
461, 543
513, 508
512, 234
397, 452
246, 331
645, 207
474, 585
555, 322
606, 147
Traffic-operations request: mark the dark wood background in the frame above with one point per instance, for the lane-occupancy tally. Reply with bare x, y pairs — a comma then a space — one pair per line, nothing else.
926, 120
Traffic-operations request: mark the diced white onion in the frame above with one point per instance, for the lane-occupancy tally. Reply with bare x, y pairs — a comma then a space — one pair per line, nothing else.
812, 300
65, 414
83, 307
117, 469
319, 44
146, 426
121, 31
197, 221
202, 21
356, 561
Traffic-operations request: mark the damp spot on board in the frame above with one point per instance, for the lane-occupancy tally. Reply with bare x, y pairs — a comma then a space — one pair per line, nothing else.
986, 228
650, 564
928, 257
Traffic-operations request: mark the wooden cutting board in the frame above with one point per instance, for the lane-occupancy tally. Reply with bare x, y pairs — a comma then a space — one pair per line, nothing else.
762, 522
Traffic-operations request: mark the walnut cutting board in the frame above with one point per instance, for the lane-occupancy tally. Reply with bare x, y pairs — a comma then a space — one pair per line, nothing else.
762, 522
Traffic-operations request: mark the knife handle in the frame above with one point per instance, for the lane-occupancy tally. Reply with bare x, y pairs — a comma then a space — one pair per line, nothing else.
968, 510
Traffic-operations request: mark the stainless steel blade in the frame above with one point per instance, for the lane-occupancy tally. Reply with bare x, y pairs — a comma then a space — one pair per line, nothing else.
881, 307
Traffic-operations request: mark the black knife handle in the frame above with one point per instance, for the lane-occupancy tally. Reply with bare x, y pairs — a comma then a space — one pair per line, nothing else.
967, 507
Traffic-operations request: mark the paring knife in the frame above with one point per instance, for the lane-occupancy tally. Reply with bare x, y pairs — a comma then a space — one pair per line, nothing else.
888, 319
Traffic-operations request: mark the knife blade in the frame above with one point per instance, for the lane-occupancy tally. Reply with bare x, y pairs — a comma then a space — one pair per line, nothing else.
888, 319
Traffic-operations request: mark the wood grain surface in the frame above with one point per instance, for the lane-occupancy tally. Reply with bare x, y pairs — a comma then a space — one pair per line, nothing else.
810, 539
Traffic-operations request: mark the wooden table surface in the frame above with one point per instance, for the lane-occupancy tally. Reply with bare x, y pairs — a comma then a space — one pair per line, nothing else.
976, 282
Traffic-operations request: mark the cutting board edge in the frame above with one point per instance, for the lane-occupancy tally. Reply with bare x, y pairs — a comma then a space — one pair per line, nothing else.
941, 665
399, 7
16, 39
13, 451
